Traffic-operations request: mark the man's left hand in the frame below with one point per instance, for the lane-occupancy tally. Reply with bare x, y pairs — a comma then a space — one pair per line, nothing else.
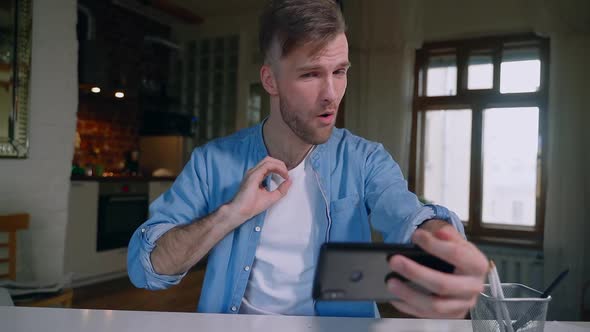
453, 294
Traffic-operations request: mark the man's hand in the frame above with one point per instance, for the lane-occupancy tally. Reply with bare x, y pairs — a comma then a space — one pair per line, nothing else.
454, 293
253, 197
182, 247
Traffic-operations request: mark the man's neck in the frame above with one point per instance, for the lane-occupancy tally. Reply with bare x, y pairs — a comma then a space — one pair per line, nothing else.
283, 144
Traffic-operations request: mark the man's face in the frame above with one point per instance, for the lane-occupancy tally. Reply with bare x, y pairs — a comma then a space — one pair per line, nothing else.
310, 88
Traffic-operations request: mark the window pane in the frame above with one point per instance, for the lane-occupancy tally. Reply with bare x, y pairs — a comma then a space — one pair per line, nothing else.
510, 147
520, 71
441, 76
447, 154
480, 72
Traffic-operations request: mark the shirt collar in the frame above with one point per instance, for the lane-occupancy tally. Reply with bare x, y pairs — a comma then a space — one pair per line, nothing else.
315, 153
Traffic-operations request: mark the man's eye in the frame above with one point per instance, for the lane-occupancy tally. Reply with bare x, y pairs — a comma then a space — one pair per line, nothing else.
308, 75
340, 72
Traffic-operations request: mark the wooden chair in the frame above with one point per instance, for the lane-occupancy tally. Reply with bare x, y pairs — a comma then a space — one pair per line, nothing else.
585, 302
10, 224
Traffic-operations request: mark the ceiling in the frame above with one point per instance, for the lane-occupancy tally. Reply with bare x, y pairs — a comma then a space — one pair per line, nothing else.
210, 8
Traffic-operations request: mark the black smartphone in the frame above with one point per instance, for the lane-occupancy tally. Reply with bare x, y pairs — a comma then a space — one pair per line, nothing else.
359, 271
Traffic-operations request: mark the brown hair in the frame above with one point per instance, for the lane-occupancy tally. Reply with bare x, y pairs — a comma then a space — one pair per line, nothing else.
287, 24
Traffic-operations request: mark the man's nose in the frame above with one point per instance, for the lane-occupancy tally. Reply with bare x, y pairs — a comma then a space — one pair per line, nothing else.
328, 93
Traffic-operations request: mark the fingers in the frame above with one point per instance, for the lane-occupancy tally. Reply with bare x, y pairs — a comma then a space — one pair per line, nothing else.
255, 176
448, 233
262, 162
280, 192
419, 304
283, 188
454, 294
278, 167
440, 283
454, 249
265, 167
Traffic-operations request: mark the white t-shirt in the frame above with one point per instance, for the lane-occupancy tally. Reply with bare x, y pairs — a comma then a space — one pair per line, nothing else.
282, 273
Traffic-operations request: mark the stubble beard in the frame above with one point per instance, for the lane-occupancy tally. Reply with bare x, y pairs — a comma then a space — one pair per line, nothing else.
300, 128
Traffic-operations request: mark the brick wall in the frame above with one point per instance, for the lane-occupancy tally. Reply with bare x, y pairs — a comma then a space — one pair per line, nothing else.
108, 127
105, 131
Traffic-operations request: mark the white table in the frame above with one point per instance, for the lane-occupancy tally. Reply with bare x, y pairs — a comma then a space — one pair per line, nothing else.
21, 319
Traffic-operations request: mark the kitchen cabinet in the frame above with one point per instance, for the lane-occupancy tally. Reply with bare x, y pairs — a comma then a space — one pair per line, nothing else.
82, 259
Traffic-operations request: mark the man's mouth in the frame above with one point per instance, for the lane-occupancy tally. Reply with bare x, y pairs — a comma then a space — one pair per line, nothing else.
327, 118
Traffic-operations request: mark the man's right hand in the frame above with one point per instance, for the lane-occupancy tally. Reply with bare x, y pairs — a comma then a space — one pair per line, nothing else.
253, 197
182, 247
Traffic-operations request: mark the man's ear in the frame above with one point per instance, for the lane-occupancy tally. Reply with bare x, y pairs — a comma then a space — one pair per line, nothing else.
267, 77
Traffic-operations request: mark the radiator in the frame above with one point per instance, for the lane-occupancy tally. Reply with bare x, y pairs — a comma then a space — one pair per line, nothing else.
524, 266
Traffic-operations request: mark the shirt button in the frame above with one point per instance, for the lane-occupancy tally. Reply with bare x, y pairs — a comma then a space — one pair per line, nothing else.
246, 268
234, 308
143, 230
257, 228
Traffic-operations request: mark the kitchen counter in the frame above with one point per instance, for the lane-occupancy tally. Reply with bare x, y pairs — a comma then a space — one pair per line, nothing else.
118, 197
121, 178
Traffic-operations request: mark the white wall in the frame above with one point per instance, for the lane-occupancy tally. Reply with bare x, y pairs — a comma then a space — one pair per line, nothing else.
460, 18
382, 39
568, 200
39, 184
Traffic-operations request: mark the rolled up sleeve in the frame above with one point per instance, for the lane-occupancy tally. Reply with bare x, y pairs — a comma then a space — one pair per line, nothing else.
140, 268
440, 212
395, 211
183, 203
430, 212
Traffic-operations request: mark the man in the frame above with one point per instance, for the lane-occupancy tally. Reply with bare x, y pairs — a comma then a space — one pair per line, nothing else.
262, 201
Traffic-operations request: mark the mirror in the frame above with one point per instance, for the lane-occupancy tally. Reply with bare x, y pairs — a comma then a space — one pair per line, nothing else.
15, 60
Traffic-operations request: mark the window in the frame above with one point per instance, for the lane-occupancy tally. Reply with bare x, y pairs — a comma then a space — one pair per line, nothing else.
479, 119
212, 86
447, 155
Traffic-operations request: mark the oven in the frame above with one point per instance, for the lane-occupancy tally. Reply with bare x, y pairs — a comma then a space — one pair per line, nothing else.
122, 207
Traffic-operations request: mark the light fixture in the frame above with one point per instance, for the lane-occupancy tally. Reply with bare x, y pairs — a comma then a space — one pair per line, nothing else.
95, 89
119, 83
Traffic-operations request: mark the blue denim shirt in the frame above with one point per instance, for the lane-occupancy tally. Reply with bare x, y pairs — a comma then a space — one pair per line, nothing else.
357, 178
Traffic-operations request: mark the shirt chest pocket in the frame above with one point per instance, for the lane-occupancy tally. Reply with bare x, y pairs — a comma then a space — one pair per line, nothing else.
349, 223
345, 209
